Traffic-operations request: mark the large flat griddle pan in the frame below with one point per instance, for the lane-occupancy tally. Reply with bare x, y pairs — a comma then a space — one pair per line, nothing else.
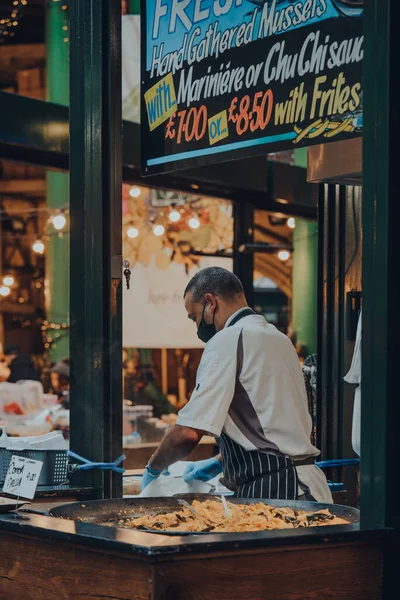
109, 512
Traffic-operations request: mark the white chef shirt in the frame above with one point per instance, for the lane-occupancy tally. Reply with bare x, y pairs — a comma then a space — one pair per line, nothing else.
272, 377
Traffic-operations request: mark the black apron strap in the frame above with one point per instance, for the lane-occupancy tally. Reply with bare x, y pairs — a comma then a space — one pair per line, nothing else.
245, 313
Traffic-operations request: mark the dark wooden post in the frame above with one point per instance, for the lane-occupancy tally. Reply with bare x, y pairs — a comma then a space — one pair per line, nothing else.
96, 243
380, 482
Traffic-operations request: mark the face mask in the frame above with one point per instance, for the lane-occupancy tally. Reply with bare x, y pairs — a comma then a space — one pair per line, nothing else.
205, 331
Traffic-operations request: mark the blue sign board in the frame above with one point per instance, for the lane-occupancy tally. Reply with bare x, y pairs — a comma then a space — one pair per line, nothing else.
225, 79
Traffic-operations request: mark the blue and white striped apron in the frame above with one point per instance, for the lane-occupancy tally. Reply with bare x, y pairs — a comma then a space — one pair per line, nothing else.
262, 473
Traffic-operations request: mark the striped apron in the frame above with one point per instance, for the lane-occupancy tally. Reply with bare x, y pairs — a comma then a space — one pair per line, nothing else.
262, 473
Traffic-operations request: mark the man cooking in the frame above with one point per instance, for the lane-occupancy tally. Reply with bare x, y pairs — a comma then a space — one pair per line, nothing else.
250, 395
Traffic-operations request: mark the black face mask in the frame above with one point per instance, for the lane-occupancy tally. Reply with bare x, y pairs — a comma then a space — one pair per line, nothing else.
205, 331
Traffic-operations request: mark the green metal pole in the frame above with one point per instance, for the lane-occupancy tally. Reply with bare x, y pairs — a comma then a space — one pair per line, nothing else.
304, 275
57, 271
134, 7
304, 284
300, 157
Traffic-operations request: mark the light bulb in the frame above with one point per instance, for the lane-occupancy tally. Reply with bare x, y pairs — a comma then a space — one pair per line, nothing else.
194, 223
174, 216
291, 223
8, 280
59, 221
284, 255
38, 247
132, 233
158, 230
135, 192
4, 291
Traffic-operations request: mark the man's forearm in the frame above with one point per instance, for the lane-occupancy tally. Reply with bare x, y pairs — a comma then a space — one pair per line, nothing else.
177, 443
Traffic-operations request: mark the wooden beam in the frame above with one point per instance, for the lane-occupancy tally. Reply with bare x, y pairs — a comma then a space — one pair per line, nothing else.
21, 56
17, 309
27, 187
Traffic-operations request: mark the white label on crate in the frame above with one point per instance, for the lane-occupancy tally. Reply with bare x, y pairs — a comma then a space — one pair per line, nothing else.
22, 477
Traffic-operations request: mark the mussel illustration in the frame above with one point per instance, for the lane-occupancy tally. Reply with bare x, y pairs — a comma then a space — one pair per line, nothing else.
349, 8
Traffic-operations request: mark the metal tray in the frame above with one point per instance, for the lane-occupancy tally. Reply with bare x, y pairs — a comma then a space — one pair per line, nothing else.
55, 464
108, 512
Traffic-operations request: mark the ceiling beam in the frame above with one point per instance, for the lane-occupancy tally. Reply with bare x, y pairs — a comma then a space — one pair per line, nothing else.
15, 57
26, 187
40, 136
17, 309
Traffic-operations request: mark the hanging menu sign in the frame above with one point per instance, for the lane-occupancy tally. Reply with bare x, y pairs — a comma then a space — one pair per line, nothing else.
223, 79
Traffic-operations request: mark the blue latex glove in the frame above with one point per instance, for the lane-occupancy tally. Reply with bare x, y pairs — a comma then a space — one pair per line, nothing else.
203, 470
149, 475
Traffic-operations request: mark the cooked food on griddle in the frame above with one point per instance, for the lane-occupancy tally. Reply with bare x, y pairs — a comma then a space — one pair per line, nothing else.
243, 518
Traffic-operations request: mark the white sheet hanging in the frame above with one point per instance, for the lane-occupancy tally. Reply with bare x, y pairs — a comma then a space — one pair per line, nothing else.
354, 376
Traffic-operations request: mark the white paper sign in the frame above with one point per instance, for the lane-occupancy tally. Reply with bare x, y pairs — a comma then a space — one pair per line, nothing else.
22, 477
161, 321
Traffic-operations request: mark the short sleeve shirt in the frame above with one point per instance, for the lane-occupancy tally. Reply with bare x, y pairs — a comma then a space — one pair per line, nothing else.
273, 401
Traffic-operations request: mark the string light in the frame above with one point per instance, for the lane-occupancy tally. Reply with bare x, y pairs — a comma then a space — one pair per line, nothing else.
4, 291
47, 338
59, 221
194, 223
8, 280
64, 7
132, 233
13, 20
174, 216
135, 192
38, 247
284, 255
158, 230
291, 223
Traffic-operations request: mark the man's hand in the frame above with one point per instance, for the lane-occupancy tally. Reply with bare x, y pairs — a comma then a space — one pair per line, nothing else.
149, 475
204, 470
177, 443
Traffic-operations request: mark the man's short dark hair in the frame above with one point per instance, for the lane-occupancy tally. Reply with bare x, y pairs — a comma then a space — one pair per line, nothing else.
216, 281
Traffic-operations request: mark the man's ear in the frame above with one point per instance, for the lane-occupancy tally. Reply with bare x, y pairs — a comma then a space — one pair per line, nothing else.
210, 299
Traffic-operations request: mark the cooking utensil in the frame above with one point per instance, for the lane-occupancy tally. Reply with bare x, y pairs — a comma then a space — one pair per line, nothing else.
211, 524
109, 512
192, 510
227, 510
